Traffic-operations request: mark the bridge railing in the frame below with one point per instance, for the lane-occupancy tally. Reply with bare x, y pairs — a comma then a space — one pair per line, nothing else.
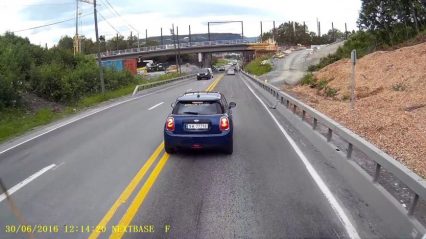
382, 161
172, 46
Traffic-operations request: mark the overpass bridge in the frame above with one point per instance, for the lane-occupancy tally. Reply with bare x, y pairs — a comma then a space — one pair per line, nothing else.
205, 47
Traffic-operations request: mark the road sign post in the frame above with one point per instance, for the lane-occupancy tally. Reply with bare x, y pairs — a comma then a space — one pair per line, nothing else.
353, 60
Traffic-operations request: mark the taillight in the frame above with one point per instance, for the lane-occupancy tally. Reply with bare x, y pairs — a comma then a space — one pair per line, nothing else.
170, 124
224, 123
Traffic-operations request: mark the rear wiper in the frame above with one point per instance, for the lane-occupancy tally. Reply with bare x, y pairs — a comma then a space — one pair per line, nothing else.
190, 113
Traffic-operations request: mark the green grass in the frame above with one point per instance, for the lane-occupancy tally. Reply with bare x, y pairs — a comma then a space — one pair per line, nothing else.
255, 67
98, 98
16, 121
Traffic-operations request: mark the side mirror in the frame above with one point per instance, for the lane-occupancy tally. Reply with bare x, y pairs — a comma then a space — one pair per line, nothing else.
232, 105
173, 105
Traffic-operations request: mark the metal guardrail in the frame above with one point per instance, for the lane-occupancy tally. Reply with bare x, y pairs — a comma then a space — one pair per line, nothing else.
172, 46
381, 159
157, 83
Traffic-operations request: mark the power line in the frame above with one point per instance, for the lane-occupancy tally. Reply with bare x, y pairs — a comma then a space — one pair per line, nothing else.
109, 23
50, 24
122, 18
38, 4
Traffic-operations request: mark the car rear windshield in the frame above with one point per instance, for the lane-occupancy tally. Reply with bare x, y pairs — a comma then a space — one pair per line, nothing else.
197, 108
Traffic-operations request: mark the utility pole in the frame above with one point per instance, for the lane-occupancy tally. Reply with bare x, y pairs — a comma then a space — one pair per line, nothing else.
116, 42
180, 60
146, 37
319, 28
161, 36
208, 29
261, 32
131, 40
354, 60
76, 38
332, 31
346, 31
172, 31
139, 41
101, 73
242, 30
190, 40
273, 31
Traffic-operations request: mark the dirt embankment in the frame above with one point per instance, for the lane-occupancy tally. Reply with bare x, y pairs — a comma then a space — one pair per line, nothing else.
390, 108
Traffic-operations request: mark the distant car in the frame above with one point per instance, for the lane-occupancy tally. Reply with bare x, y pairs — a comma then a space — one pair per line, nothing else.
200, 120
230, 71
206, 73
222, 68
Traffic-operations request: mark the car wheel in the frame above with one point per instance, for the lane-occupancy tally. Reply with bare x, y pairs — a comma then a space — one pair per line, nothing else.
169, 150
229, 149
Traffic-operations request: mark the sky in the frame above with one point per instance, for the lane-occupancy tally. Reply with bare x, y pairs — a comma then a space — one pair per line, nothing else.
124, 16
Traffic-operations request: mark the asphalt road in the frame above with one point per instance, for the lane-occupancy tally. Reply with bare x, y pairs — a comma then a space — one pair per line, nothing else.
291, 69
110, 169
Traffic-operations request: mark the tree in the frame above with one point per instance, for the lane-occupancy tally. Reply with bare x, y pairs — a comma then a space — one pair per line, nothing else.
392, 21
89, 47
66, 43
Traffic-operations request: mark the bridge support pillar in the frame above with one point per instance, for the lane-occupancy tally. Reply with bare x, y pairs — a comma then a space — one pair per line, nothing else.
207, 60
248, 56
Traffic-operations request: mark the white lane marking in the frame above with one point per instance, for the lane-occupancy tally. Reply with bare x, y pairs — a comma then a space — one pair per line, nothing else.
350, 229
26, 181
77, 118
155, 106
59, 165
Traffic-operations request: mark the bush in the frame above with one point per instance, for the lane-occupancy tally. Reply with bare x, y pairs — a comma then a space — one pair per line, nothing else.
399, 87
363, 42
330, 92
321, 84
308, 79
256, 67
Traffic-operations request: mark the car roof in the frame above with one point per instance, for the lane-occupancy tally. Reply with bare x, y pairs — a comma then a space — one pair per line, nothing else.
204, 96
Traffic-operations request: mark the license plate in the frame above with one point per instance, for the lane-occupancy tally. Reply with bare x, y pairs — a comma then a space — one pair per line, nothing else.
197, 126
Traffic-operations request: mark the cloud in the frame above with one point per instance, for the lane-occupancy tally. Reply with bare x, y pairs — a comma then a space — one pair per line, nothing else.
153, 15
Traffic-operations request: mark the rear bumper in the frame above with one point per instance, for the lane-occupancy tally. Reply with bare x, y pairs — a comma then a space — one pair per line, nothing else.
203, 77
204, 141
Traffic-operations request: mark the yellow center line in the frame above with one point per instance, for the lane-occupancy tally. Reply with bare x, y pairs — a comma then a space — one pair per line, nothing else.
213, 85
140, 197
127, 192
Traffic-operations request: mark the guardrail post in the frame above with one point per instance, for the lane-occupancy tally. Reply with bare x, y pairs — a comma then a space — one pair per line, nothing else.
303, 115
288, 103
377, 173
350, 149
315, 124
413, 204
329, 134
294, 108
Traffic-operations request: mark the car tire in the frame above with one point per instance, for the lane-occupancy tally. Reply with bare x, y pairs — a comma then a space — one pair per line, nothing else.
169, 150
229, 149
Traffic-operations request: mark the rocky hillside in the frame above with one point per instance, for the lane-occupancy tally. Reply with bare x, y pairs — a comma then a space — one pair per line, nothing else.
390, 109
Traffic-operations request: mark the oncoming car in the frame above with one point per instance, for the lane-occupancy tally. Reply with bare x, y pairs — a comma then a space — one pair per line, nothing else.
200, 120
206, 73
